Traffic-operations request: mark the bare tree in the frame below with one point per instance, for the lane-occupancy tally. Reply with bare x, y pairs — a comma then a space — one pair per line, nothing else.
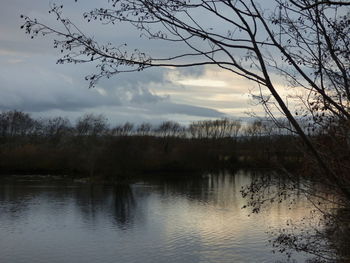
91, 125
123, 129
144, 129
215, 129
170, 129
306, 41
17, 123
56, 126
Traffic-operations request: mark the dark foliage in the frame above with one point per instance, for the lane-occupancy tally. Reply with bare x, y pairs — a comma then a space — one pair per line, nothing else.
90, 148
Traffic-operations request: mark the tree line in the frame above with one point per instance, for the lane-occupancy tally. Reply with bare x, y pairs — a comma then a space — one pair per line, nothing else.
93, 147
17, 123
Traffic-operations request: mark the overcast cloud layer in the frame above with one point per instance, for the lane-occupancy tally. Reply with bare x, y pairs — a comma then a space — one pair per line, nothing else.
31, 81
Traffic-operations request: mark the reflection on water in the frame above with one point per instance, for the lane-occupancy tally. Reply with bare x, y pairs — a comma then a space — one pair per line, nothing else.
188, 220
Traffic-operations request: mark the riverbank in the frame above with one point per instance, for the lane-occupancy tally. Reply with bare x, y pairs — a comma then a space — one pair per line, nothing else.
126, 156
93, 148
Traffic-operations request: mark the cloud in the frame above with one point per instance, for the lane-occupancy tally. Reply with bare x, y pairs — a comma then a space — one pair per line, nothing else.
14, 61
38, 86
168, 107
203, 83
8, 53
31, 81
211, 88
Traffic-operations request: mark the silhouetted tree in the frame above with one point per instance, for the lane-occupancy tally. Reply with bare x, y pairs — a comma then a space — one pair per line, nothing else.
170, 129
317, 59
144, 129
91, 125
17, 123
55, 128
123, 129
306, 41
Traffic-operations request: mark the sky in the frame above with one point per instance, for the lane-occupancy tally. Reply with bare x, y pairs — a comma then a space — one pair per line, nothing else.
31, 81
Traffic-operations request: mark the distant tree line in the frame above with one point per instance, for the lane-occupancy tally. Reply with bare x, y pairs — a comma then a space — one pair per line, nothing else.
17, 123
93, 147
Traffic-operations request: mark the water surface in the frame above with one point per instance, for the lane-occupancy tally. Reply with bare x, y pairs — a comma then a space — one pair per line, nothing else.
187, 220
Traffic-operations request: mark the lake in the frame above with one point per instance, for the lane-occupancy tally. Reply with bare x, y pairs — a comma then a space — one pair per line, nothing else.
184, 220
